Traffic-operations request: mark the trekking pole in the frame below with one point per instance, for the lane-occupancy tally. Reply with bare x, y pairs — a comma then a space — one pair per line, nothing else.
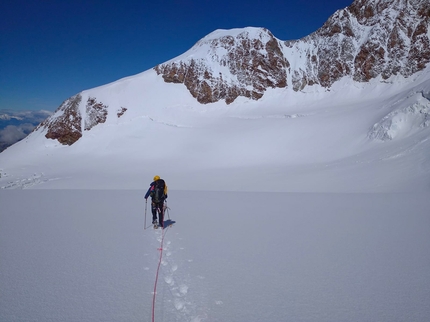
167, 209
146, 204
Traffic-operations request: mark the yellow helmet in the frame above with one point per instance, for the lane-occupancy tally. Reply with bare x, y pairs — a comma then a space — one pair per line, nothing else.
156, 178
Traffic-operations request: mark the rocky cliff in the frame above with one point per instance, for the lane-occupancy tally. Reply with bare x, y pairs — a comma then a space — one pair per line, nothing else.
68, 122
370, 38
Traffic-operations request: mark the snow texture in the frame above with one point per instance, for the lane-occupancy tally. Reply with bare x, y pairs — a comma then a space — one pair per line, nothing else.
84, 255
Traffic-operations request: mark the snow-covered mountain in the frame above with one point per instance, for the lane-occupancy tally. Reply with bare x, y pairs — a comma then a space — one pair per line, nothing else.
366, 40
340, 109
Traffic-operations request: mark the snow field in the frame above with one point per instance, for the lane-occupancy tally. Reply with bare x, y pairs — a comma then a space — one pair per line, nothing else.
70, 255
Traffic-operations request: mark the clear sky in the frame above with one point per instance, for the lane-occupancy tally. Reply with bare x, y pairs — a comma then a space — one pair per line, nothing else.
53, 49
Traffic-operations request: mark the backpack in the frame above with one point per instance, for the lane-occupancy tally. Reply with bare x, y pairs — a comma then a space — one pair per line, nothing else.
157, 194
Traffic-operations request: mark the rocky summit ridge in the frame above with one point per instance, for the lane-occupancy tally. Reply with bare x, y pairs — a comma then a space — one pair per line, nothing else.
366, 40
370, 38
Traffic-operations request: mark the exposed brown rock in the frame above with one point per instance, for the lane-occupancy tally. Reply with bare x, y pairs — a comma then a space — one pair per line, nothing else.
65, 124
364, 40
419, 53
96, 113
245, 60
121, 112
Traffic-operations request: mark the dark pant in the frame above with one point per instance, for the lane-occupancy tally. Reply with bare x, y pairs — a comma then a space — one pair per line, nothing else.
158, 207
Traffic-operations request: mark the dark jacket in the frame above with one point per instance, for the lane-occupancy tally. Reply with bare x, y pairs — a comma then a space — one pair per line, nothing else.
151, 188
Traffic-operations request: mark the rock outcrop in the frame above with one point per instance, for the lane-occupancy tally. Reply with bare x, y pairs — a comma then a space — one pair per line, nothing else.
96, 113
241, 65
366, 40
66, 124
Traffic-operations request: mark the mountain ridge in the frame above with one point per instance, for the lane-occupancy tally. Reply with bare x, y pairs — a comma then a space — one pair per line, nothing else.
366, 40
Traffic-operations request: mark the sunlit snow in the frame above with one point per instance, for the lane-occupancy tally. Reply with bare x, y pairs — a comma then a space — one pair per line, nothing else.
308, 206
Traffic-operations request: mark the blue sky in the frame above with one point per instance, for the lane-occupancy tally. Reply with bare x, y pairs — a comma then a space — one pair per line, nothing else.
52, 49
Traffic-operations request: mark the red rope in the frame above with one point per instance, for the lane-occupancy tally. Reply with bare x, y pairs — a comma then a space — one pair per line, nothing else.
156, 276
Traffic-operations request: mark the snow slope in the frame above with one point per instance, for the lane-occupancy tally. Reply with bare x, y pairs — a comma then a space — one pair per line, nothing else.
83, 255
355, 137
